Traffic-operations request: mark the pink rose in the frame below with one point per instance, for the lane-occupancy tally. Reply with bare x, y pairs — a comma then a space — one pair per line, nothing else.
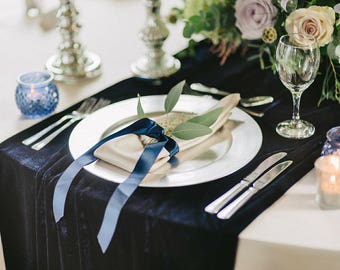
253, 16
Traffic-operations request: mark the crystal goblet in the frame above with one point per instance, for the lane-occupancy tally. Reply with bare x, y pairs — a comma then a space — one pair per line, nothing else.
297, 59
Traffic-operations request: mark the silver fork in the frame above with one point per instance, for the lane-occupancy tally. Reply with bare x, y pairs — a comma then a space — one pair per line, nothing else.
87, 103
76, 117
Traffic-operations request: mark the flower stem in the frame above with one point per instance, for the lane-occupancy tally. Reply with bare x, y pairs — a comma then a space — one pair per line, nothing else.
336, 88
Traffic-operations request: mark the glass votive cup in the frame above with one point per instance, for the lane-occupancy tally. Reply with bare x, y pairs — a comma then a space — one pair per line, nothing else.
36, 94
332, 144
328, 178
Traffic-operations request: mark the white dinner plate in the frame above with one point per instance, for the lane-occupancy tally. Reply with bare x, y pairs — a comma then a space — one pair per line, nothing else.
219, 161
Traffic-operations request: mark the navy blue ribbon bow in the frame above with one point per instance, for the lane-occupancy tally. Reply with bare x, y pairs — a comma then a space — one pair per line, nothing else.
124, 190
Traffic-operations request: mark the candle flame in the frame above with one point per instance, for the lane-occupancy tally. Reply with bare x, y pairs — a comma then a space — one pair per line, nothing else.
32, 88
332, 179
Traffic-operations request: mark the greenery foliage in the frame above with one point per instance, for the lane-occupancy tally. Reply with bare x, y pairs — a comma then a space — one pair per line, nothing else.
217, 21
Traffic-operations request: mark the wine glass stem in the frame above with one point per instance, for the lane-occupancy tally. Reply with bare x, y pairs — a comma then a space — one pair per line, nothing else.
296, 106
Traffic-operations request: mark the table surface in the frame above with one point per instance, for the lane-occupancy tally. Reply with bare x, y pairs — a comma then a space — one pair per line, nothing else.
292, 234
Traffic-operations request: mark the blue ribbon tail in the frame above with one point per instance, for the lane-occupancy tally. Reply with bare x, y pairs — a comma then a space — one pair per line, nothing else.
142, 126
64, 183
124, 191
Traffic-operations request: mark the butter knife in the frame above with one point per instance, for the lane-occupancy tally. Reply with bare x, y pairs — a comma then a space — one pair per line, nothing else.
263, 181
245, 102
221, 201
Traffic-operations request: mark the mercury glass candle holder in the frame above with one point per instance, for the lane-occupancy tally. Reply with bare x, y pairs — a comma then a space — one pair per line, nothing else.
72, 62
155, 63
32, 8
36, 94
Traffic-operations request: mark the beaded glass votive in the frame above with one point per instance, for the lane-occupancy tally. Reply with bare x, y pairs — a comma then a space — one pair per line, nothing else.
36, 94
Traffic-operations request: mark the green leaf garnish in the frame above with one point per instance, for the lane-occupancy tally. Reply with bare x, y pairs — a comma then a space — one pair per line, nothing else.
140, 111
188, 30
189, 130
208, 118
197, 22
173, 96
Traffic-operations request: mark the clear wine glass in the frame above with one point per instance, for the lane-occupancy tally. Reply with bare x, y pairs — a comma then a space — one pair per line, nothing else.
298, 59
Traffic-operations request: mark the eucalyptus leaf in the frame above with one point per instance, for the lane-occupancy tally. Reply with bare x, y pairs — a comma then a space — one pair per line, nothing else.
140, 111
189, 130
209, 22
197, 22
188, 30
208, 118
173, 96
216, 15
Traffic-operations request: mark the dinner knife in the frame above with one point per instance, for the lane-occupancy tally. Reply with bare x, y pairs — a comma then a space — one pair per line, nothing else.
263, 181
245, 102
221, 201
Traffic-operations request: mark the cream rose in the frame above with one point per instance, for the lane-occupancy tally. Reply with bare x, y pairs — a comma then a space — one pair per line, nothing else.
315, 21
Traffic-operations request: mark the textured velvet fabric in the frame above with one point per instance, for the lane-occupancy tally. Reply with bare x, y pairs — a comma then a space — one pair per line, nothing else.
158, 228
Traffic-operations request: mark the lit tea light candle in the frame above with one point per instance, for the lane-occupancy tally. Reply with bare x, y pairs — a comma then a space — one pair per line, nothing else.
328, 176
33, 94
36, 94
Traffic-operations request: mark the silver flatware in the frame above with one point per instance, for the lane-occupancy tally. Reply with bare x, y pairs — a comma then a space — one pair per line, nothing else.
245, 102
221, 201
251, 112
86, 104
81, 114
259, 184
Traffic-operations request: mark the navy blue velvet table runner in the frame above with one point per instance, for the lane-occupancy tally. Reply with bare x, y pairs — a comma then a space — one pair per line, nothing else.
158, 228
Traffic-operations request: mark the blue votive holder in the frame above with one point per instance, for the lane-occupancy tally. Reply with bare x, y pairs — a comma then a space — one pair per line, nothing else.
36, 94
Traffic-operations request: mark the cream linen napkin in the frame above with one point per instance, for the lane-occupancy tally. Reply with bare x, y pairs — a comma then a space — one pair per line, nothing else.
124, 152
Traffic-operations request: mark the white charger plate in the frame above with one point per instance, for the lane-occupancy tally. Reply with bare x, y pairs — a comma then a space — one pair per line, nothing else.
220, 160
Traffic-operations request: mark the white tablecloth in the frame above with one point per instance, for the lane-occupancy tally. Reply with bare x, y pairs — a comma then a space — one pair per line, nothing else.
293, 234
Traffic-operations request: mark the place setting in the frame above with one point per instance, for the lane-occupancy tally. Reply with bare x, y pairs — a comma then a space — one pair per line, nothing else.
178, 139
202, 157
186, 150
207, 166
185, 122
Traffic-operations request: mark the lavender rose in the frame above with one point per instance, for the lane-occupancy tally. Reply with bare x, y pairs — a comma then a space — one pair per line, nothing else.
253, 16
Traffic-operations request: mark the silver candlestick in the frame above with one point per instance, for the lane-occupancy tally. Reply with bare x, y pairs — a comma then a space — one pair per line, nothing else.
32, 8
155, 63
71, 62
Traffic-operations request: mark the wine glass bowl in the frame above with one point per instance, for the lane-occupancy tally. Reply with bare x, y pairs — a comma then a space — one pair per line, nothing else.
297, 60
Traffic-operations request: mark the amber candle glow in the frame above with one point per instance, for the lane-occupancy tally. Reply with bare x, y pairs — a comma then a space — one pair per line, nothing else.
328, 176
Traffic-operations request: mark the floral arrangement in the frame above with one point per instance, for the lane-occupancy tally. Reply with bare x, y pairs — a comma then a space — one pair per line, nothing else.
233, 24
